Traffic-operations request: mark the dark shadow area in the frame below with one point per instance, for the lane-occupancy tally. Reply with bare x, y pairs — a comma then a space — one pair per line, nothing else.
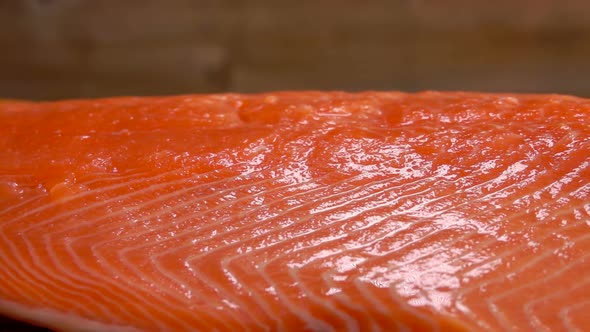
10, 325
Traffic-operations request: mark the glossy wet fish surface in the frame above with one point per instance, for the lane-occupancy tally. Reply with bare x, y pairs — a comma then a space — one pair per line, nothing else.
297, 211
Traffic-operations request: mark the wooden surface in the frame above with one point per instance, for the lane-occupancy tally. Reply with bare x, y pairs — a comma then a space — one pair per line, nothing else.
72, 48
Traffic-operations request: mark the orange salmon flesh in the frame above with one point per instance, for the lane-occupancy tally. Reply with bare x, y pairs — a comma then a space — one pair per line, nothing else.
297, 211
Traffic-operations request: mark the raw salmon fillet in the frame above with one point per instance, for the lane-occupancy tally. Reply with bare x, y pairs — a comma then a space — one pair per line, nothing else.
297, 211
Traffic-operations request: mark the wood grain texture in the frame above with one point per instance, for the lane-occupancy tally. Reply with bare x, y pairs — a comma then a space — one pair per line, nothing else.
74, 48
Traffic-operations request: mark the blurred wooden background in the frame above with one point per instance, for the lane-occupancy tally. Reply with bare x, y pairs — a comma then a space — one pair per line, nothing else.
84, 48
